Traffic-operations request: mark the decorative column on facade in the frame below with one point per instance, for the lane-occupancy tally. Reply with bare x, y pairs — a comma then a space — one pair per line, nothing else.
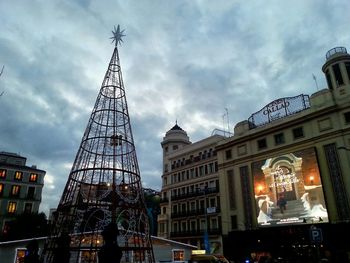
104, 184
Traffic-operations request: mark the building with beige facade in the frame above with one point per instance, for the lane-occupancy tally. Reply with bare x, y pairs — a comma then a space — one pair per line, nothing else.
284, 175
280, 186
190, 195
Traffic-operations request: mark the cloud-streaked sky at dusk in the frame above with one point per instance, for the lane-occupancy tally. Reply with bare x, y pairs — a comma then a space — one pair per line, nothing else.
181, 60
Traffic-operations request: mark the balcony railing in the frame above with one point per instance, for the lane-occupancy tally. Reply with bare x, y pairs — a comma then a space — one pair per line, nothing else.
335, 51
195, 193
196, 212
164, 200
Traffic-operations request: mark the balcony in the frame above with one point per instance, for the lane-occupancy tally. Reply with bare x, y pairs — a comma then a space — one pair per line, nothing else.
197, 192
196, 212
336, 50
164, 200
162, 217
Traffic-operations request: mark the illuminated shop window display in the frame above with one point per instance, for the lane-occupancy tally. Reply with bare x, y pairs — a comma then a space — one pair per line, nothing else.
288, 190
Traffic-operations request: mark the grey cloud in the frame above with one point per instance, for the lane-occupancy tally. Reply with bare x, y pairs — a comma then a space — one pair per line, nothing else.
179, 59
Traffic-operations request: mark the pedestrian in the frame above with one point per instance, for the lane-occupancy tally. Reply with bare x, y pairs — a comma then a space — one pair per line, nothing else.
282, 203
110, 252
31, 255
61, 252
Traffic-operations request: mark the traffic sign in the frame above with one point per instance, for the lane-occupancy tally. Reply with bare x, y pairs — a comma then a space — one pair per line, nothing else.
316, 235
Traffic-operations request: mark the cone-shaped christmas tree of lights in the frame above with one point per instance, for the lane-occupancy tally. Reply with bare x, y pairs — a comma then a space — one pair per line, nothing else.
104, 184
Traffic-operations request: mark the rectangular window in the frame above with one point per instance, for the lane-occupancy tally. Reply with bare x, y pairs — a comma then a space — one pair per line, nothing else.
201, 170
33, 177
193, 226
211, 168
183, 226
228, 154
1, 189
347, 67
28, 208
15, 190
233, 222
279, 138
246, 195
11, 208
31, 191
262, 144
232, 191
214, 223
329, 81
2, 173
298, 133
338, 77
18, 175
347, 117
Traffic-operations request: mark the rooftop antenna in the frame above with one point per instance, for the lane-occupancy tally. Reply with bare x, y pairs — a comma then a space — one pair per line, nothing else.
223, 124
314, 77
228, 121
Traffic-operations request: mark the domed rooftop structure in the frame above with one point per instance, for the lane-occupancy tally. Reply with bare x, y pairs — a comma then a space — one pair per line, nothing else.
176, 136
176, 127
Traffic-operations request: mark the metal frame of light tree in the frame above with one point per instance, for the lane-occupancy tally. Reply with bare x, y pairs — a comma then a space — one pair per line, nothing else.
104, 185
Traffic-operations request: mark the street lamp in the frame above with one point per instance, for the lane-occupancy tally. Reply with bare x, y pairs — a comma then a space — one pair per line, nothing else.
206, 235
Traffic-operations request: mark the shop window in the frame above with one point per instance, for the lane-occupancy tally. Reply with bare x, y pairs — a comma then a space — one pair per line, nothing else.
2, 174
18, 175
33, 177
298, 133
11, 208
262, 144
279, 138
1, 189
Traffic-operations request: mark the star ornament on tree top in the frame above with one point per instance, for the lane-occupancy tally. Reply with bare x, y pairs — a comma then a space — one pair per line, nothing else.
117, 35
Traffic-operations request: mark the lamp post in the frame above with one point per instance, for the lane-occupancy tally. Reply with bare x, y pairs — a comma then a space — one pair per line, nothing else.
206, 235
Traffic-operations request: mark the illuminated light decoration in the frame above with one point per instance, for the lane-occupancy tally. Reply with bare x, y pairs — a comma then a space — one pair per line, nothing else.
260, 189
278, 109
311, 179
104, 184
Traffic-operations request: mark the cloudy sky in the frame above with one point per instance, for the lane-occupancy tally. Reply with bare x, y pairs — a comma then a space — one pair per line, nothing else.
181, 60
